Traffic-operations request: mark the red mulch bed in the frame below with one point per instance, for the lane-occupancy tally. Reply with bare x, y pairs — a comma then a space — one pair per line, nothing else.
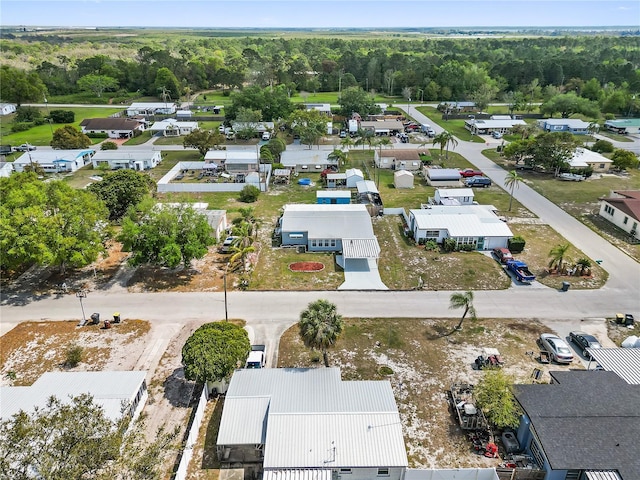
306, 266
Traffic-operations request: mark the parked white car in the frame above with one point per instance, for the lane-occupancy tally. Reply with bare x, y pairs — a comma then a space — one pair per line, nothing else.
570, 177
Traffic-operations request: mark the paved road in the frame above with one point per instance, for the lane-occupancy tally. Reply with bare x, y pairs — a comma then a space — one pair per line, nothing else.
274, 311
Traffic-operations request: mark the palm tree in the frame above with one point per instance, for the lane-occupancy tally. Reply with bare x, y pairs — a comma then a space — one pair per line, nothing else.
365, 136
584, 264
463, 300
240, 254
320, 326
339, 155
557, 255
444, 139
347, 142
511, 181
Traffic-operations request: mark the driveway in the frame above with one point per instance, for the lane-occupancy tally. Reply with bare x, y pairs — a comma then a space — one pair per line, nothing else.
362, 274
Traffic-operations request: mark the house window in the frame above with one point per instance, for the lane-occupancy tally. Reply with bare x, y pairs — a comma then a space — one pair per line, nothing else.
333, 242
383, 472
432, 234
626, 219
601, 166
608, 209
313, 243
326, 242
345, 471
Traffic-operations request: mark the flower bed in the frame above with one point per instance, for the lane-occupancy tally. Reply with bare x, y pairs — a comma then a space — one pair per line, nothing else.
306, 266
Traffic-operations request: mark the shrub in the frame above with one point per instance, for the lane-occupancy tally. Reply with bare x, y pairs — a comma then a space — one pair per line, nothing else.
249, 194
62, 116
74, 355
602, 146
109, 146
431, 246
20, 127
516, 244
97, 135
467, 248
27, 114
449, 245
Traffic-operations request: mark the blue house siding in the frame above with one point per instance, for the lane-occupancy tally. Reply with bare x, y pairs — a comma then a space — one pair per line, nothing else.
294, 238
334, 201
325, 245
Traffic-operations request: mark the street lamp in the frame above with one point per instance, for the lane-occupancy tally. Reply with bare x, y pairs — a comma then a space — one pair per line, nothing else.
82, 294
46, 104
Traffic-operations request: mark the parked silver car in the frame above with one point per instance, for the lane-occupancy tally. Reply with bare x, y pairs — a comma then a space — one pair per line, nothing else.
557, 348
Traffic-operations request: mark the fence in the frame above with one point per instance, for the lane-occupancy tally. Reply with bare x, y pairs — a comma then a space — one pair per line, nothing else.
192, 438
165, 185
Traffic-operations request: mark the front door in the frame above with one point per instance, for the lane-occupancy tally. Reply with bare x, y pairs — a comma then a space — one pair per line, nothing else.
480, 244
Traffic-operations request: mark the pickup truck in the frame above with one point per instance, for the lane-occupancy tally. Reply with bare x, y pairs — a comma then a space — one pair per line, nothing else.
257, 357
521, 271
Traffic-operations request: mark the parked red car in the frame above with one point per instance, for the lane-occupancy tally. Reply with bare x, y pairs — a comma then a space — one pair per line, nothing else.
470, 172
502, 254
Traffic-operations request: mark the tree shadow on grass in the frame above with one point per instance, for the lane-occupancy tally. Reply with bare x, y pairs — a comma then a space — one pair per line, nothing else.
209, 455
440, 331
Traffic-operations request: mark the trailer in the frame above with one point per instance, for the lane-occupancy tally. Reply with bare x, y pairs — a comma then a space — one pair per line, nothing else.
462, 402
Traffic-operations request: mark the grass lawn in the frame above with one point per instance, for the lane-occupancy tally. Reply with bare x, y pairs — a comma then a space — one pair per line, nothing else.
42, 134
169, 141
144, 137
615, 136
455, 126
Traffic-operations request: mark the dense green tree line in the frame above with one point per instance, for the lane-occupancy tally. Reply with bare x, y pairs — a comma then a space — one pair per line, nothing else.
433, 69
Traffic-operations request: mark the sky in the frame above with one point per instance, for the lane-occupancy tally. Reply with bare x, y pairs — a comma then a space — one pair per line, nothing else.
320, 13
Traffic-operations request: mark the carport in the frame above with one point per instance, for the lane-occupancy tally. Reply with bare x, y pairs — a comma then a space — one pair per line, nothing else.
359, 260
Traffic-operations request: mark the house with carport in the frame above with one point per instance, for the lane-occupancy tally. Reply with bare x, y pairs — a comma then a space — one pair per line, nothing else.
132, 159
55, 161
151, 108
113, 127
309, 424
471, 226
585, 158
323, 108
487, 127
622, 208
173, 128
623, 126
571, 125
397, 159
307, 160
382, 127
552, 429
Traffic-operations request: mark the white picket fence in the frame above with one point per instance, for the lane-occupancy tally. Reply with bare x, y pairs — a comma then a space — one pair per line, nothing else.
187, 453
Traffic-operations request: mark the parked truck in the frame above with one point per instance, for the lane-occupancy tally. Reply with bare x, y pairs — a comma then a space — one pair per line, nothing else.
257, 357
521, 271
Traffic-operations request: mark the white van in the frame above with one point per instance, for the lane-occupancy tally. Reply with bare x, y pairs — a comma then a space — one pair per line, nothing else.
266, 136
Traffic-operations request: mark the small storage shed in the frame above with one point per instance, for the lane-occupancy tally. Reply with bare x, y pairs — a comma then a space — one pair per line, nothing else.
333, 197
353, 176
403, 179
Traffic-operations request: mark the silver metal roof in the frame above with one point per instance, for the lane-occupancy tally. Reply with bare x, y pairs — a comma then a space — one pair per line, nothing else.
109, 389
602, 475
328, 221
245, 421
464, 225
333, 194
337, 440
45, 156
310, 412
443, 173
360, 248
291, 158
367, 186
623, 361
130, 154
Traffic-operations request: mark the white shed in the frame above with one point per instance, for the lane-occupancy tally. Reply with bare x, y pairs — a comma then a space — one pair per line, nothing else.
354, 175
403, 179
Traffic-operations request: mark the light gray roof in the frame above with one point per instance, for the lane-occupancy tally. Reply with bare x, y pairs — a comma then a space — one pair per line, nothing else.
484, 124
443, 173
109, 389
454, 192
308, 410
49, 156
328, 221
291, 158
462, 221
350, 172
367, 186
360, 248
336, 176
333, 194
150, 105
172, 123
570, 122
291, 474
383, 125
282, 172
130, 154
623, 361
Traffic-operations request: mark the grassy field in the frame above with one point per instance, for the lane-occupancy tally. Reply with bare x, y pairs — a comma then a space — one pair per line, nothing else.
42, 134
144, 137
455, 126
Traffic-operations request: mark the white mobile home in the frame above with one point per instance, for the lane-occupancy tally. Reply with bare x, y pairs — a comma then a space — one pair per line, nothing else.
127, 159
55, 161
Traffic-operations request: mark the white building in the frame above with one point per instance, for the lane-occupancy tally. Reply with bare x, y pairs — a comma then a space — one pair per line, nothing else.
584, 158
486, 127
307, 160
54, 161
151, 108
310, 424
118, 393
173, 128
113, 127
453, 196
7, 108
622, 208
403, 179
234, 161
130, 158
353, 176
474, 225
